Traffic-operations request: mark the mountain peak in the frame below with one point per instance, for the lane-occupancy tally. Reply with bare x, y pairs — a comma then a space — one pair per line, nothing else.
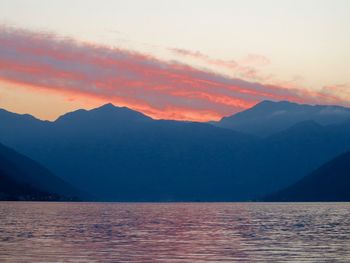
270, 104
105, 113
111, 110
108, 106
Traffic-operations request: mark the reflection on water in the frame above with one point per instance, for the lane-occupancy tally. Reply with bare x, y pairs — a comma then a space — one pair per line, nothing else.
174, 232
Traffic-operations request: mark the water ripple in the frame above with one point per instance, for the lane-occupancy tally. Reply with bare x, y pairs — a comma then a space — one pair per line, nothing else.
174, 232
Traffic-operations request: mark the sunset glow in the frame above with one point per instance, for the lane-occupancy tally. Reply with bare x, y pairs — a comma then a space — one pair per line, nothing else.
166, 83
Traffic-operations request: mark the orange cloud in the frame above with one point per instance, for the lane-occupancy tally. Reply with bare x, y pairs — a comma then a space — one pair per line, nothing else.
158, 88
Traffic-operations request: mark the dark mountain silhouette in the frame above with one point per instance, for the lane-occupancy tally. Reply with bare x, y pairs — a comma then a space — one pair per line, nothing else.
136, 158
268, 117
330, 182
119, 154
24, 179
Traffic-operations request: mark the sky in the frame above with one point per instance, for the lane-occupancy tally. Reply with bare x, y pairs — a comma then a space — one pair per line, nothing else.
184, 60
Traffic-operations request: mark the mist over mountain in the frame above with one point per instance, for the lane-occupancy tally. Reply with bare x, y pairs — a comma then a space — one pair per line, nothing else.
330, 183
24, 179
268, 117
116, 153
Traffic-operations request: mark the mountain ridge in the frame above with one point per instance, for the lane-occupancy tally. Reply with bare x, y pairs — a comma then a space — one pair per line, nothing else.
269, 117
105, 109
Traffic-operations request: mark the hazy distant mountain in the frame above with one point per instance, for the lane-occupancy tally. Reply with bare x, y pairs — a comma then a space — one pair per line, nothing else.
268, 117
24, 179
330, 182
119, 154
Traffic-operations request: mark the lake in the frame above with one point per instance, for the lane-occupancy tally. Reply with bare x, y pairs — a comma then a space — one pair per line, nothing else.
174, 232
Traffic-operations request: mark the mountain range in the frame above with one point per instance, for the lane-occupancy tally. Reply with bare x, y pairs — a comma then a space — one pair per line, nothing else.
118, 154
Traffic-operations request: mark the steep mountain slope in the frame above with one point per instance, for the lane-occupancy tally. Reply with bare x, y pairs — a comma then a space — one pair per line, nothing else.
24, 179
330, 182
268, 117
287, 156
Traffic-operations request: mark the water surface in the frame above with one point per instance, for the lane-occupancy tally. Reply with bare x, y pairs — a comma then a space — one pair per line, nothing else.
174, 232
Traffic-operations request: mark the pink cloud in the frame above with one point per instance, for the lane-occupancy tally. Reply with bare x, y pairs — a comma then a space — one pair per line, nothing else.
161, 89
